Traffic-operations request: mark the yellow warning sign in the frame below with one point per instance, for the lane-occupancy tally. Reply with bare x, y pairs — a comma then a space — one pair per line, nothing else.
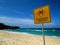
42, 15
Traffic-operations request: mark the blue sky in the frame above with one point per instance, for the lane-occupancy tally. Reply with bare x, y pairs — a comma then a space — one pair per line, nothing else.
20, 12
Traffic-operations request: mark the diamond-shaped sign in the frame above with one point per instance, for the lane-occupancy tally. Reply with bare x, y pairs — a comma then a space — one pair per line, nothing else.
42, 15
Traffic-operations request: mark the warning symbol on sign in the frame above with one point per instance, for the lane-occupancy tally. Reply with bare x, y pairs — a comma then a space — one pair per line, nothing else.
42, 15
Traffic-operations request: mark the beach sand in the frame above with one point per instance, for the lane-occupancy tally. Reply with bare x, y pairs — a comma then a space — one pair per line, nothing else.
7, 38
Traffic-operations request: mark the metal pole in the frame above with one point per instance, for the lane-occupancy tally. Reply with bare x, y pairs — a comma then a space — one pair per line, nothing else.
43, 34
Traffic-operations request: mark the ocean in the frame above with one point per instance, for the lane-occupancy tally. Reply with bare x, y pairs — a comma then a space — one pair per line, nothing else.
54, 33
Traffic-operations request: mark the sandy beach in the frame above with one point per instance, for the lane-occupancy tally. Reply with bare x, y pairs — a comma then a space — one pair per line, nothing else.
7, 38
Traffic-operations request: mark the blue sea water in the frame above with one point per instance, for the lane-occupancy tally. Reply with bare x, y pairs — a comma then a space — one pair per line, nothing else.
38, 32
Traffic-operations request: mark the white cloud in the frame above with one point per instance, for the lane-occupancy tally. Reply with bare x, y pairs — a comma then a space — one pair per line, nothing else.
14, 20
21, 22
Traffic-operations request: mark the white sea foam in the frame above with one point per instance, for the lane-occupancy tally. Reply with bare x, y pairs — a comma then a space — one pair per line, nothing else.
41, 30
27, 33
38, 30
45, 30
54, 36
18, 33
53, 30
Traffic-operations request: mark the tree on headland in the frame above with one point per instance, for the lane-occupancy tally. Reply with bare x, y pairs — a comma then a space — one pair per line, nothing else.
3, 26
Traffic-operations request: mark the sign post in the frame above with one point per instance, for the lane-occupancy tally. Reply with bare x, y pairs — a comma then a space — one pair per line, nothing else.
41, 16
43, 34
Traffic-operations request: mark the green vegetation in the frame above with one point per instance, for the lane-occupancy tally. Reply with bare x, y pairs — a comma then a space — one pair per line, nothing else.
3, 26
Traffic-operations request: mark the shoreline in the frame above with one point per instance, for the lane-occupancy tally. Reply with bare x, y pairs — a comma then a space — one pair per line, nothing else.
7, 38
27, 34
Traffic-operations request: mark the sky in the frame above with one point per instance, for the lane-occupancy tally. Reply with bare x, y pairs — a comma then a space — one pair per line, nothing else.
20, 13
